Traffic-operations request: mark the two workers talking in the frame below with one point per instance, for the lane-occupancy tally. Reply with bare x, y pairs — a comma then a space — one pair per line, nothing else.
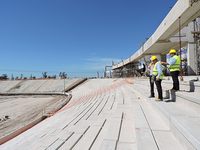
156, 73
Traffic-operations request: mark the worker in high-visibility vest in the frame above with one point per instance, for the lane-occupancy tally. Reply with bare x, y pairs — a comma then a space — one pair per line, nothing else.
151, 80
174, 68
149, 73
158, 76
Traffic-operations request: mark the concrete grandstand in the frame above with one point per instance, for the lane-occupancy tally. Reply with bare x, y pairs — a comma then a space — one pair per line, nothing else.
111, 113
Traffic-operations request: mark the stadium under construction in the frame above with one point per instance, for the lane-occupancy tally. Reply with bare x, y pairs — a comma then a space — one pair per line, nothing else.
112, 113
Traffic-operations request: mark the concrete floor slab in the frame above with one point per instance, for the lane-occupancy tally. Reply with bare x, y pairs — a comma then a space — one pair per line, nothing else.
130, 123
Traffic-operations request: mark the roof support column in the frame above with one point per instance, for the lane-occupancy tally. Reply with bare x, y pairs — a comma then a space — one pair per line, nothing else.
191, 59
191, 52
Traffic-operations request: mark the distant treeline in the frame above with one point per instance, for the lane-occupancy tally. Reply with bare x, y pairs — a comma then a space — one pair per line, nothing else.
61, 75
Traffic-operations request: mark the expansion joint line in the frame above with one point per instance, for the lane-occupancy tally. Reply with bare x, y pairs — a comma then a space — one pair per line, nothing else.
103, 105
123, 97
65, 141
120, 128
149, 127
113, 101
97, 135
76, 117
86, 112
79, 138
94, 109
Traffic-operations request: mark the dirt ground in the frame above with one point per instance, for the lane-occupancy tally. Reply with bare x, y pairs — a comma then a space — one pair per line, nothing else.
18, 111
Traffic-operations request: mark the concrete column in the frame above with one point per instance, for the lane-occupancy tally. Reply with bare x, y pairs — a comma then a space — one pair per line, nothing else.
191, 59
191, 51
198, 46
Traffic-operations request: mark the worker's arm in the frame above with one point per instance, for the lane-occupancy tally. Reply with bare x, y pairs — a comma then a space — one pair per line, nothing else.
164, 63
149, 67
159, 68
172, 61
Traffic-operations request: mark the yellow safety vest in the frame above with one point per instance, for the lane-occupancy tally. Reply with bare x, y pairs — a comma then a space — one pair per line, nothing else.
155, 71
176, 66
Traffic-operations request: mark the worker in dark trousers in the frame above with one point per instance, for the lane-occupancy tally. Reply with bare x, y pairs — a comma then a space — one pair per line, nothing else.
158, 76
151, 80
174, 68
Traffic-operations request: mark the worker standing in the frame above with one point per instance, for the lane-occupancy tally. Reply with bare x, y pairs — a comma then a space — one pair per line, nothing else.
158, 76
151, 80
174, 68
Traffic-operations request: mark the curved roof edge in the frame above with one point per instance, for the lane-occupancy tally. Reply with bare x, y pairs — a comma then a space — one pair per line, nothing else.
186, 10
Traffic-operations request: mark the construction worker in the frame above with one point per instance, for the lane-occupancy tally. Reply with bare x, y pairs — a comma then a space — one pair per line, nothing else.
151, 80
158, 76
174, 68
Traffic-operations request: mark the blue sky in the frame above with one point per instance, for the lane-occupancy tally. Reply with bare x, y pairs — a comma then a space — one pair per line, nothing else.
79, 37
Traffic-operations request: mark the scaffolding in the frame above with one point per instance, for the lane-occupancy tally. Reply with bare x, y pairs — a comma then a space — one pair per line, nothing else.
193, 1
129, 70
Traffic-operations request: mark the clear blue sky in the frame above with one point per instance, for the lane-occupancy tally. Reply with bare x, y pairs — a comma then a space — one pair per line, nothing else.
79, 37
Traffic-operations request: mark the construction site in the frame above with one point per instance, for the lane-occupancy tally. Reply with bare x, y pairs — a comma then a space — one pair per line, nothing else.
113, 112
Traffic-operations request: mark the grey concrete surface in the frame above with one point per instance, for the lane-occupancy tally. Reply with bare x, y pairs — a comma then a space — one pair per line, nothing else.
30, 86
183, 115
102, 114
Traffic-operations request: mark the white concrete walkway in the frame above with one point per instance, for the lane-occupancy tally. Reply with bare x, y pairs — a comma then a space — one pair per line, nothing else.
103, 114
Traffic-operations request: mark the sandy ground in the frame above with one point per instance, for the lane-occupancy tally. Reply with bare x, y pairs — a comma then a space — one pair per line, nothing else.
21, 110
18, 111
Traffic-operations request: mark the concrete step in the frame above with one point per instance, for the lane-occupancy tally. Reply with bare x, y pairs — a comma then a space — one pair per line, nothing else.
184, 123
190, 86
115, 119
152, 129
188, 106
193, 97
183, 117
